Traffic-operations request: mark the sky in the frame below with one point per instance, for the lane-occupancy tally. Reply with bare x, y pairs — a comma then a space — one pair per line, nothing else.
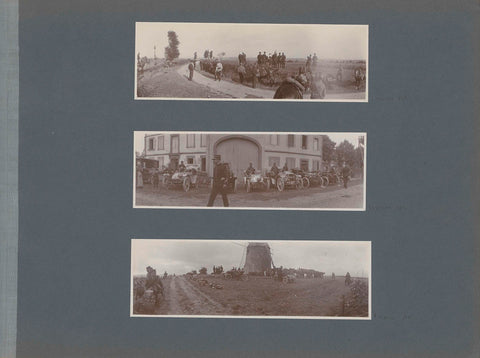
182, 256
345, 42
337, 137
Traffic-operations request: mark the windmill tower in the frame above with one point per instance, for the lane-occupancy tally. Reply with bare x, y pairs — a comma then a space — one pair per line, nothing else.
258, 257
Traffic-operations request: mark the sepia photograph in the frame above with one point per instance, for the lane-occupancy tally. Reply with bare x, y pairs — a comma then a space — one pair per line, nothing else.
251, 279
251, 62
250, 170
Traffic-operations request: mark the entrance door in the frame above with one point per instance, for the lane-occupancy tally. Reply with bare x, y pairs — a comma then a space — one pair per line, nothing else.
239, 153
174, 162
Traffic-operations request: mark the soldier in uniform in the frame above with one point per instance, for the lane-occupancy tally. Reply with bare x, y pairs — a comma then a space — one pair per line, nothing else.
220, 176
346, 172
250, 170
348, 279
154, 282
242, 72
191, 67
181, 167
218, 71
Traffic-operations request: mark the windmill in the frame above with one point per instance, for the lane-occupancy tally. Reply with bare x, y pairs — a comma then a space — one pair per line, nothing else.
258, 257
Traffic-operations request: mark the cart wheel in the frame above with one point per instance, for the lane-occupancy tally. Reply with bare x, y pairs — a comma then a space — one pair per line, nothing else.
280, 184
306, 183
299, 184
249, 186
325, 182
187, 183
339, 180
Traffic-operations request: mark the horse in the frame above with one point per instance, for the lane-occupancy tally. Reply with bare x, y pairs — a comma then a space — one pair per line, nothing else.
294, 88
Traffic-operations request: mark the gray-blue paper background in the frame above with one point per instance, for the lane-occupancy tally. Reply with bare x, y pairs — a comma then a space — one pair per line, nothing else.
77, 117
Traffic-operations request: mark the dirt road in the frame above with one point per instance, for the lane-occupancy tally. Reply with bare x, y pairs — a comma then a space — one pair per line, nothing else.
229, 88
259, 296
333, 197
182, 298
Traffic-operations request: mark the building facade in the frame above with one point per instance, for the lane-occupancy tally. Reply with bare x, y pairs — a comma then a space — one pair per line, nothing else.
302, 151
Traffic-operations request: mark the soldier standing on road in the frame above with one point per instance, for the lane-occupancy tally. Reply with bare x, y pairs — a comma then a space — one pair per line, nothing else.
191, 67
155, 178
218, 71
220, 176
346, 172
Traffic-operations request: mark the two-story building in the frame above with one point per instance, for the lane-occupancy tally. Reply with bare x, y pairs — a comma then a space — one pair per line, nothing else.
170, 149
238, 149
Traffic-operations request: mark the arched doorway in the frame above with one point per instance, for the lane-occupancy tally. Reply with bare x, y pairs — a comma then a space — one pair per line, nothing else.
239, 151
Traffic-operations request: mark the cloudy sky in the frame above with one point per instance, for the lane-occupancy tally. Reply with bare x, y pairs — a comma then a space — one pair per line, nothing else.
182, 256
337, 137
345, 42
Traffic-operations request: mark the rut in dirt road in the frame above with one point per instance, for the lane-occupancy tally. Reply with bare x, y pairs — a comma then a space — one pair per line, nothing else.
184, 298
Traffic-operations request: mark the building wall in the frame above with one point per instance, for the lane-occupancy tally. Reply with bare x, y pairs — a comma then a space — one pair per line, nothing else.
294, 149
276, 147
189, 150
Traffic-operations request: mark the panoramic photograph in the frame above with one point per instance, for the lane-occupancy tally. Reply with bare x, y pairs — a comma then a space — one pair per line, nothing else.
228, 61
249, 170
251, 279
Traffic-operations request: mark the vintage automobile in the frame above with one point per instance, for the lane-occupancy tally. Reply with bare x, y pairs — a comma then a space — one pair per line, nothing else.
317, 179
256, 181
305, 177
189, 178
333, 177
288, 179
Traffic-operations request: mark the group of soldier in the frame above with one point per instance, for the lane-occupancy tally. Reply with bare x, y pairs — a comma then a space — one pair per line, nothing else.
311, 63
274, 60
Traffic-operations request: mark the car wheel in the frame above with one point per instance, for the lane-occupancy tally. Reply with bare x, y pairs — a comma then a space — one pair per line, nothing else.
324, 182
187, 183
306, 183
280, 184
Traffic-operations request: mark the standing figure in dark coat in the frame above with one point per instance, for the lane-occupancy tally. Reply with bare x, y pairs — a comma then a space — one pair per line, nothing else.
155, 178
220, 176
191, 67
348, 279
346, 172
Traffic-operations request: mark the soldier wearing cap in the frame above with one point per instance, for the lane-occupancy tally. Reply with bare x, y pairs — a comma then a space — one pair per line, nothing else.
220, 176
346, 172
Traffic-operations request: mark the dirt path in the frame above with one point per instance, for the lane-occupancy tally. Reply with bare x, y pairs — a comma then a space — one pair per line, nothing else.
241, 91
183, 298
232, 89
332, 197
